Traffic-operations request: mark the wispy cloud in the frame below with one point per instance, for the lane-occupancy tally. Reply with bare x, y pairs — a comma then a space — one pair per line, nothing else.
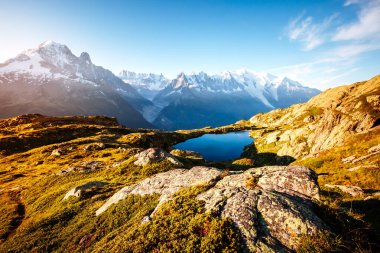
345, 44
320, 73
367, 26
308, 32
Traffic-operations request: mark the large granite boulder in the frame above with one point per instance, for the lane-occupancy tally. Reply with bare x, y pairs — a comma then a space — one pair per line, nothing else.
272, 207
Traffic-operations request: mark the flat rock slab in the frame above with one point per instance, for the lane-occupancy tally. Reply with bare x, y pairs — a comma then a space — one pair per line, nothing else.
165, 184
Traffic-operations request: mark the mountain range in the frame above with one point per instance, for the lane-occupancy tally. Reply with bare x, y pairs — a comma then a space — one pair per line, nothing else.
198, 99
51, 80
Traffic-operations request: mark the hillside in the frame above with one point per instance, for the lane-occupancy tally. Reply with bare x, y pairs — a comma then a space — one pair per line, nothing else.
336, 134
87, 184
325, 121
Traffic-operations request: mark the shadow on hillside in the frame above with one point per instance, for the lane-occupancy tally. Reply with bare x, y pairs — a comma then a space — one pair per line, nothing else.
370, 209
265, 158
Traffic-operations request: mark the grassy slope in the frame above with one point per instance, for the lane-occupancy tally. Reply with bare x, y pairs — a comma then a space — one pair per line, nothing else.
332, 170
34, 217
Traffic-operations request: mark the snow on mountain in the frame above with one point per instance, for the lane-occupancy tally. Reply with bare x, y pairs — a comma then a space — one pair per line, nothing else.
148, 85
50, 79
263, 86
236, 93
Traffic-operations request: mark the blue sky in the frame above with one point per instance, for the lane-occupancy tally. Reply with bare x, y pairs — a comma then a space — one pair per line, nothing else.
319, 43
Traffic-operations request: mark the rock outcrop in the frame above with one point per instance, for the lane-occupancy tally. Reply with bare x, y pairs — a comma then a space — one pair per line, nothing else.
84, 167
354, 191
271, 206
154, 155
327, 120
78, 191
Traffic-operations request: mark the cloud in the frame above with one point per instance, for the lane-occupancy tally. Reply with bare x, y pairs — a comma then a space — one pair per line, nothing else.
353, 50
367, 25
321, 73
351, 2
344, 45
306, 31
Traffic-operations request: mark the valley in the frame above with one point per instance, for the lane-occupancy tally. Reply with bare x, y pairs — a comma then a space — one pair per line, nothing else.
88, 184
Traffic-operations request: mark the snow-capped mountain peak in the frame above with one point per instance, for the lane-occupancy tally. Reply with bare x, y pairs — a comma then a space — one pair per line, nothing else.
55, 81
48, 60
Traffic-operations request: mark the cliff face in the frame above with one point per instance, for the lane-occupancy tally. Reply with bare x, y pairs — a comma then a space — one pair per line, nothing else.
325, 121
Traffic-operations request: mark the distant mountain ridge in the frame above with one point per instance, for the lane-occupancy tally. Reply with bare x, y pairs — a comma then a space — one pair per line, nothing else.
148, 85
198, 99
52, 80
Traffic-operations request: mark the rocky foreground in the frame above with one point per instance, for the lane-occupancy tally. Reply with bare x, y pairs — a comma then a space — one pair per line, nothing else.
271, 206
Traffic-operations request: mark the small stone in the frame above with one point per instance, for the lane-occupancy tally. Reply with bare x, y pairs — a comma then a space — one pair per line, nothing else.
146, 219
38, 163
348, 159
374, 149
56, 152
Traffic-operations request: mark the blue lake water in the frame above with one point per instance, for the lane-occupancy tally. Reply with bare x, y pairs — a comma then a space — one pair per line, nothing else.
218, 147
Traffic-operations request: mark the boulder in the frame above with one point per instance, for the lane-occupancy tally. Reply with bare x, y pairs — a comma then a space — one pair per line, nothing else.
84, 167
354, 191
154, 155
78, 191
271, 206
281, 198
94, 146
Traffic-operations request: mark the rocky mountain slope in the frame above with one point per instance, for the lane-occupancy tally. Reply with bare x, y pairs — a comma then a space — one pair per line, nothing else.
225, 98
326, 121
52, 80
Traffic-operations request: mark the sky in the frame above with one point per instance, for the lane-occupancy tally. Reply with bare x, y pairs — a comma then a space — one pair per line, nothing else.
320, 43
